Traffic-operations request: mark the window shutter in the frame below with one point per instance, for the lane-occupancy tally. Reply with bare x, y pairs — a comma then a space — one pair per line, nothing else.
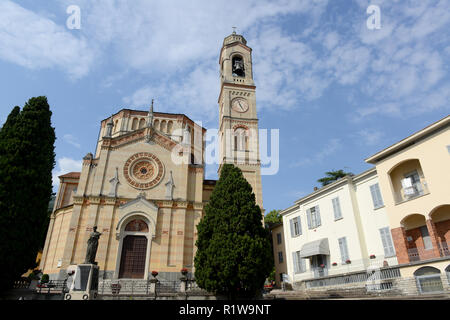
376, 195
343, 248
386, 239
308, 218
380, 199
302, 265
291, 222
299, 225
294, 258
337, 209
318, 221
426, 238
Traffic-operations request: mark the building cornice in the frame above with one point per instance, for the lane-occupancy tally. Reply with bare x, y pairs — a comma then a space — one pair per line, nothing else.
234, 85
411, 140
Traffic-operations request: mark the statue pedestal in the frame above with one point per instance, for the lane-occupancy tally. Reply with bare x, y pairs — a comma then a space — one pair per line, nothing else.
85, 283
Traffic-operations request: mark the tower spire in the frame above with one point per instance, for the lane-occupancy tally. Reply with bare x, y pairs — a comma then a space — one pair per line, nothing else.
150, 116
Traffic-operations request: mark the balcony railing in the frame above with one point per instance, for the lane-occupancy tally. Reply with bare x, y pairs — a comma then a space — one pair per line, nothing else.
343, 268
319, 272
416, 190
443, 249
419, 254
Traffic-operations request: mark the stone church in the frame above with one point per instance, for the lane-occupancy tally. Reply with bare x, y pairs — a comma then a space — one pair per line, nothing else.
145, 188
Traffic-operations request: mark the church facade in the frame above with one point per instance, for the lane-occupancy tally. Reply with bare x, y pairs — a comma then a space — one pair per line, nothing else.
144, 188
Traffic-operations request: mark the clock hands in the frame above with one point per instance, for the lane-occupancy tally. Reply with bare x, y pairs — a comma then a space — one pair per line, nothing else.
242, 108
237, 105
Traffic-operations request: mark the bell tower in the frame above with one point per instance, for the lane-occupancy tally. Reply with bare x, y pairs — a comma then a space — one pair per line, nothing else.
238, 121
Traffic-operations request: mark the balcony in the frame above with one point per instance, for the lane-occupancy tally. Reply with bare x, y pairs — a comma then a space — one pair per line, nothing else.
443, 249
408, 181
411, 192
420, 254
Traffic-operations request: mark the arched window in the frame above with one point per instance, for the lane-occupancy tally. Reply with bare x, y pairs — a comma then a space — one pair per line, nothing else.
240, 139
134, 124
169, 127
238, 66
428, 280
116, 126
156, 124
137, 226
141, 123
163, 126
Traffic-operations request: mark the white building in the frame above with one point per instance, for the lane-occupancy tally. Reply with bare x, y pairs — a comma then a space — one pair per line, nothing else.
339, 229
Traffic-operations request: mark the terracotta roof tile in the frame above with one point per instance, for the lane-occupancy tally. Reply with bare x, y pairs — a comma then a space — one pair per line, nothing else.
73, 175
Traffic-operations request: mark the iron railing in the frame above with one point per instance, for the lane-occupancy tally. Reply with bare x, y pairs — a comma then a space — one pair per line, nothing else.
53, 286
443, 249
369, 276
417, 189
130, 287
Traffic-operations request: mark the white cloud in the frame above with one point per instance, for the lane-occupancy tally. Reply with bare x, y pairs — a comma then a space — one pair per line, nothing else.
65, 165
369, 136
176, 45
36, 42
70, 139
406, 67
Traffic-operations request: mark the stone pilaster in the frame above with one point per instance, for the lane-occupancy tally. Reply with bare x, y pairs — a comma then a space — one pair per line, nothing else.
47, 242
434, 239
180, 229
104, 224
400, 244
166, 209
72, 233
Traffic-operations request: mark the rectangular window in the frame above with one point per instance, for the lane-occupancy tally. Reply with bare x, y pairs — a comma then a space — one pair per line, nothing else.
386, 239
299, 263
344, 249
337, 209
376, 196
296, 227
426, 238
280, 257
279, 238
313, 217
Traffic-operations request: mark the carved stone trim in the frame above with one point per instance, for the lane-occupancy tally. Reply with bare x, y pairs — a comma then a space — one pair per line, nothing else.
78, 200
143, 157
94, 200
198, 206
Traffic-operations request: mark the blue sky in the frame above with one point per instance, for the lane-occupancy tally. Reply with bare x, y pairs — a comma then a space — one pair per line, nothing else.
337, 91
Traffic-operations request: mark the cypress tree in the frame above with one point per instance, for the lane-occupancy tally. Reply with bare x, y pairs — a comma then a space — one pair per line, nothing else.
234, 255
27, 159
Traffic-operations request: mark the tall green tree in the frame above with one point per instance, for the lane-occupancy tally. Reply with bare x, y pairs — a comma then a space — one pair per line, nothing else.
27, 159
272, 218
332, 176
234, 255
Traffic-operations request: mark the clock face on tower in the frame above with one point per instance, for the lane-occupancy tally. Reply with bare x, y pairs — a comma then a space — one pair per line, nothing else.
239, 105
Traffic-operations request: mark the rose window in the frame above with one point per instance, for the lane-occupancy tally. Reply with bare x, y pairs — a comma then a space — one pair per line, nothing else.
143, 170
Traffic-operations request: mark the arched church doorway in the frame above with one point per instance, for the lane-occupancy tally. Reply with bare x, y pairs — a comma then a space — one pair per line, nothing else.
134, 250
